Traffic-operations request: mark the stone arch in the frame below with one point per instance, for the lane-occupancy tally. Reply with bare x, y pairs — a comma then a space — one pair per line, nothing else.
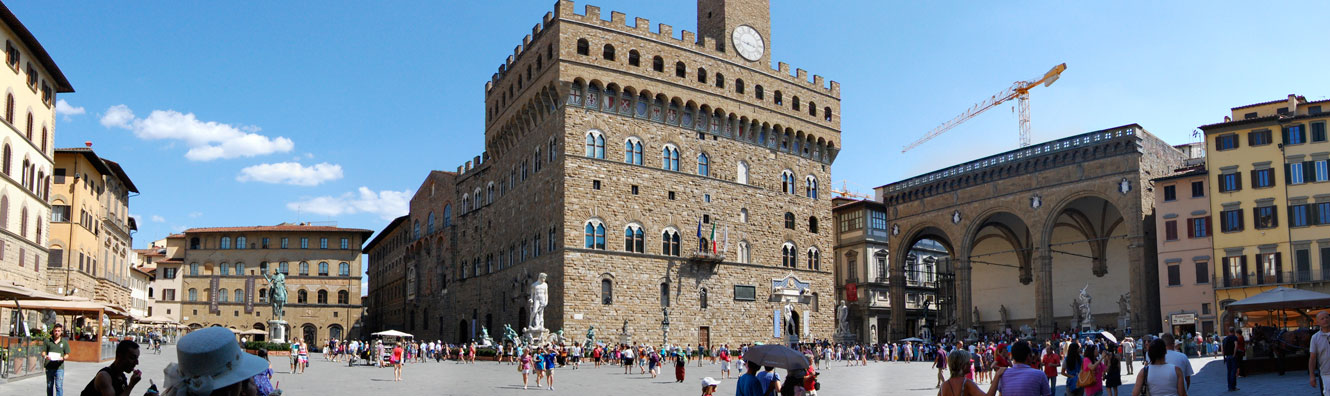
899, 257
998, 260
1091, 226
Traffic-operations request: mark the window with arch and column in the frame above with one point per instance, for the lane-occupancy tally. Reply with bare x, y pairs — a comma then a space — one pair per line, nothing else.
634, 239
741, 175
814, 259
632, 151
787, 182
595, 235
669, 242
810, 186
789, 255
595, 144
703, 165
669, 157
743, 252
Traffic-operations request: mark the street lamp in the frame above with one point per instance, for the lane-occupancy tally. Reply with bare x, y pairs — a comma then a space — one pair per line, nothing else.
665, 324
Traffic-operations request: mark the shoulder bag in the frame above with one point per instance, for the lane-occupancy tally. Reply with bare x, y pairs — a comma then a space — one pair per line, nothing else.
1086, 377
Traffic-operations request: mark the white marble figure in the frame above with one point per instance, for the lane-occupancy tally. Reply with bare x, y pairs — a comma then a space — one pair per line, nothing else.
789, 320
539, 299
1083, 306
1026, 331
1002, 312
842, 318
1124, 309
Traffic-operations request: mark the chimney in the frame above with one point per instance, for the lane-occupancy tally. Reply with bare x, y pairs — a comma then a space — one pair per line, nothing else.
1292, 104
88, 143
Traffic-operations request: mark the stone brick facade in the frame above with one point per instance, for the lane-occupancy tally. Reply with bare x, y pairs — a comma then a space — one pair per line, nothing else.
524, 205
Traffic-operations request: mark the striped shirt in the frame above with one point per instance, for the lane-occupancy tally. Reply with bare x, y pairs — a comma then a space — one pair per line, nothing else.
1022, 380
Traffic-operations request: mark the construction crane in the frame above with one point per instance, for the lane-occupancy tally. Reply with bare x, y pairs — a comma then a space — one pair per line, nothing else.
1019, 90
845, 192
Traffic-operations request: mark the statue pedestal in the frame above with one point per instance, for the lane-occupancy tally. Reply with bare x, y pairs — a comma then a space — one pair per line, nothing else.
276, 330
537, 336
846, 338
626, 339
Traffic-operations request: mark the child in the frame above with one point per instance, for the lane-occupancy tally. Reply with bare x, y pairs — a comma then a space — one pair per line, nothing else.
709, 386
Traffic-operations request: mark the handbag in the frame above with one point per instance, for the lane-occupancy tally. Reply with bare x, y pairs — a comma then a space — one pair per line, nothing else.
1145, 385
1085, 378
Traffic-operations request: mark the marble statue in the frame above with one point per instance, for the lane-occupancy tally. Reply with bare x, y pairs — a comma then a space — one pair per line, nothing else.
277, 293
1002, 312
789, 320
557, 337
510, 335
485, 339
1083, 306
974, 321
1075, 315
624, 330
842, 318
539, 299
1124, 305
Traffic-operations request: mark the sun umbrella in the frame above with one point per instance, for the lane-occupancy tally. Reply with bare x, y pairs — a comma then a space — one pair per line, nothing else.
392, 333
1109, 336
779, 356
913, 339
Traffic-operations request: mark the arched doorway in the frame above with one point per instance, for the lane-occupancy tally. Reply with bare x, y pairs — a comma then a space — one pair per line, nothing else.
922, 270
310, 334
1000, 251
335, 332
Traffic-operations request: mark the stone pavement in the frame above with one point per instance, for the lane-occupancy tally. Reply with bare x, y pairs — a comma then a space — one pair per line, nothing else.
486, 378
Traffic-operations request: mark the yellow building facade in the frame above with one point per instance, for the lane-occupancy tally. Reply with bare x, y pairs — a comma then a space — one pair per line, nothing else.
1270, 196
90, 240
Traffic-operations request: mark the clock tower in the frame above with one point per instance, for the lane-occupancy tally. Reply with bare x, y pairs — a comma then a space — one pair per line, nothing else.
740, 27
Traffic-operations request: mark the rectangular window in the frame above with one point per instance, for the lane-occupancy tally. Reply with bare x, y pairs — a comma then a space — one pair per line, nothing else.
1264, 217
1197, 189
59, 213
1296, 172
1170, 193
1302, 263
1318, 132
54, 259
1171, 230
1230, 182
745, 293
1226, 141
263, 243
852, 221
11, 55
1322, 213
1269, 268
877, 220
1230, 220
168, 294
169, 273
1325, 263
595, 184
304, 243
1321, 171
58, 176
346, 243
634, 190
1198, 227
1235, 271
671, 195
1174, 275
1298, 216
323, 243
284, 244
1262, 178
1259, 138
1294, 134
1202, 272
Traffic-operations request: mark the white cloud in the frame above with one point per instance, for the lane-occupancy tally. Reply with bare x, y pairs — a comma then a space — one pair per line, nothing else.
291, 173
158, 219
387, 204
195, 215
65, 109
207, 140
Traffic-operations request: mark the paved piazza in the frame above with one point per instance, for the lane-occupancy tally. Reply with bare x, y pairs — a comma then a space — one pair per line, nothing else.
485, 378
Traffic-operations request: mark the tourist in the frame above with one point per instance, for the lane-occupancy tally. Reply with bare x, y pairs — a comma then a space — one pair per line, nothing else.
56, 350
709, 386
396, 361
1097, 364
1158, 378
810, 376
627, 356
538, 362
724, 362
210, 362
1020, 379
1318, 361
549, 367
1051, 361
1231, 359
940, 363
1240, 354
769, 379
748, 384
304, 356
1129, 351
263, 381
680, 360
110, 380
958, 364
1071, 368
653, 362
524, 367
1113, 378
295, 355
1178, 359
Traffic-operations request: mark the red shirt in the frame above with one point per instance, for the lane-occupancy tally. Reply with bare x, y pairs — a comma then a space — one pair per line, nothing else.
397, 353
1051, 362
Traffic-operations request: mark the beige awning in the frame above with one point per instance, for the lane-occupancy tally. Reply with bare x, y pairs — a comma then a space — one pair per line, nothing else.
155, 320
9, 290
56, 305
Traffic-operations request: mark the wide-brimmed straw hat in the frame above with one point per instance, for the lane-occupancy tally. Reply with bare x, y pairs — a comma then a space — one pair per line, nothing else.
210, 359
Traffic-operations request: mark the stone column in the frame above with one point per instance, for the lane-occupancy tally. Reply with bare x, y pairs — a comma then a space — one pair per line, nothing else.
1043, 300
964, 303
1140, 295
897, 288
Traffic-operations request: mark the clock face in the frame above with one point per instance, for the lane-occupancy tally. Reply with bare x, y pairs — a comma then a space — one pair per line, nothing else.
748, 42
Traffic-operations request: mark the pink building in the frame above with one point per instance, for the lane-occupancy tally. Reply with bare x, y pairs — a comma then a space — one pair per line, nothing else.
1186, 292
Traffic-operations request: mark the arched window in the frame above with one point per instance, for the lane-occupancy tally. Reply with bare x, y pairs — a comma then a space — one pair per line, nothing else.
323, 296
344, 269
814, 259
194, 268
193, 294
720, 80
606, 292
779, 99
44, 138
282, 266
794, 102
826, 113
226, 242
702, 298
634, 240
23, 222
703, 165
739, 85
575, 94
701, 75
632, 151
304, 268
226, 269
787, 182
680, 70
489, 197
8, 160
583, 48
240, 243
28, 128
670, 157
595, 235
466, 202
263, 295
9, 108
595, 144
343, 297
429, 223
812, 108
812, 224
743, 252
447, 215
222, 296
634, 59
665, 294
302, 296
240, 296
810, 187
788, 255
658, 64
323, 268
475, 204
757, 91
743, 215
608, 53
742, 173
669, 242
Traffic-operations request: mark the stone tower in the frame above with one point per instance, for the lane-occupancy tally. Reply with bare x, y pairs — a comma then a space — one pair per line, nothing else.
717, 19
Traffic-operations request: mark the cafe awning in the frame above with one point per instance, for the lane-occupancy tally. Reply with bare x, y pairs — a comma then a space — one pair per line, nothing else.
61, 306
9, 290
1281, 298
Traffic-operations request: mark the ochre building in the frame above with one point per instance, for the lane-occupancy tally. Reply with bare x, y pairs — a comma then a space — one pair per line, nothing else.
223, 282
613, 149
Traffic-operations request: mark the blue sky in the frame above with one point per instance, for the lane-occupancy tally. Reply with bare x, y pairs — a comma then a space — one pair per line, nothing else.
231, 113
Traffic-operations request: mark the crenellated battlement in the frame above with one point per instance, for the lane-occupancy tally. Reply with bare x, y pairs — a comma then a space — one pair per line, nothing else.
591, 15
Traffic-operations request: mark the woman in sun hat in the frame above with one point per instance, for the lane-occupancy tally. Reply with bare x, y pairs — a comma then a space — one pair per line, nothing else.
709, 386
209, 360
